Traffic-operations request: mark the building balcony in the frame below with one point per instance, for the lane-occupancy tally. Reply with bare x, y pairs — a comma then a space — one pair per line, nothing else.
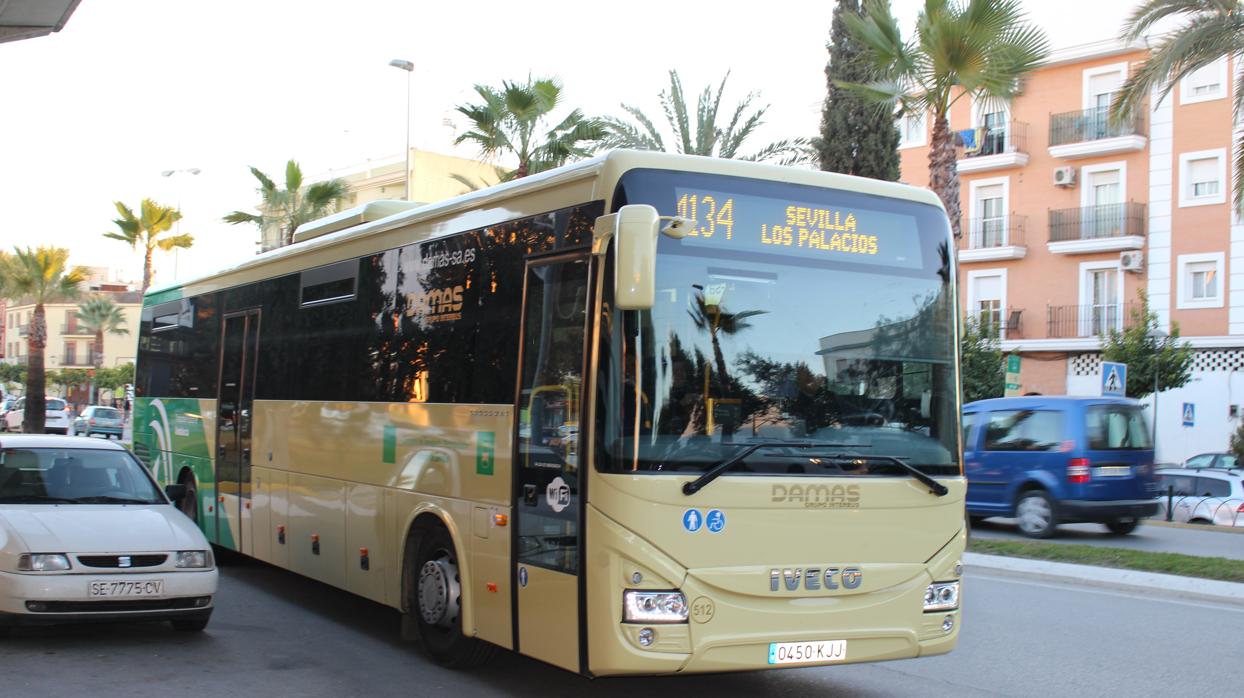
1000, 147
75, 360
1108, 228
995, 324
1082, 134
992, 239
1065, 321
75, 330
23, 330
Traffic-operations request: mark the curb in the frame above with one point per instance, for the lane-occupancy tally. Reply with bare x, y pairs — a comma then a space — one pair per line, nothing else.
1147, 583
1238, 530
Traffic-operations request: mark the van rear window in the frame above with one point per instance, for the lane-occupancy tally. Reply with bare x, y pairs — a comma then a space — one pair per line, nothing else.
1024, 430
1117, 428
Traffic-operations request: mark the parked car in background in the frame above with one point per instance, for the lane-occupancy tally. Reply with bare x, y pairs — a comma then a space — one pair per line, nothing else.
1202, 495
1211, 460
56, 419
1050, 460
87, 535
97, 419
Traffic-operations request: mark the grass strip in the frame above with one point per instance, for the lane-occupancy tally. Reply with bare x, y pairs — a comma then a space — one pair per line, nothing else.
1219, 568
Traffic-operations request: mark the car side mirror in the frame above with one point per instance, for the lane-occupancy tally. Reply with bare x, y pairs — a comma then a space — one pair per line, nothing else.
176, 493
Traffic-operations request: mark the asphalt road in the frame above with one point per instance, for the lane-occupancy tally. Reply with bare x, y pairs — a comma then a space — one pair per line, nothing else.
278, 634
1205, 541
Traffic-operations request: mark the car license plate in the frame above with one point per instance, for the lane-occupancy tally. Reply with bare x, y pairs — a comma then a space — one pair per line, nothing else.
813, 652
130, 588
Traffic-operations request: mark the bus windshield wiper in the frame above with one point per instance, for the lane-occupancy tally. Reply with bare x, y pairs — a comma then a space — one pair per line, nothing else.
934, 486
690, 488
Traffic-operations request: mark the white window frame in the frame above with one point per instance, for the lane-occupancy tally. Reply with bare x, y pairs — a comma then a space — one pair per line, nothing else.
1086, 292
1183, 282
972, 299
903, 143
1186, 199
1086, 191
1087, 77
1219, 70
974, 203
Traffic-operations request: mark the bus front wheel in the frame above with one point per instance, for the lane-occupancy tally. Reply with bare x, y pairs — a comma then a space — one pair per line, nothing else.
435, 602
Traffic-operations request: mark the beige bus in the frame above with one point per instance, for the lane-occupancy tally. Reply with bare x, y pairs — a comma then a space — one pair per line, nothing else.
641, 414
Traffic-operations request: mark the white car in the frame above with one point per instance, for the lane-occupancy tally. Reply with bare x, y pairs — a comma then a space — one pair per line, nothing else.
1202, 495
87, 535
56, 416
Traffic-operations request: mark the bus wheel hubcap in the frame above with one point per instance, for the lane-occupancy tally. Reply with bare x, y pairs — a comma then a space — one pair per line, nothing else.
438, 592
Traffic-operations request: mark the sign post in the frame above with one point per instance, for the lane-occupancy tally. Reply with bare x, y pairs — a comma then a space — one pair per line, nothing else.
1012, 376
1113, 379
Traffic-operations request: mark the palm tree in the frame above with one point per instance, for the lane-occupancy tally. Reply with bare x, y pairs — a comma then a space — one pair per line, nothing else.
1213, 30
97, 316
508, 121
716, 320
145, 229
982, 48
286, 209
705, 136
42, 275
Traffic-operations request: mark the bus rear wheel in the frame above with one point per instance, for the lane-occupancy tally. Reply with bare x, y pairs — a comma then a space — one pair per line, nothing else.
190, 503
435, 602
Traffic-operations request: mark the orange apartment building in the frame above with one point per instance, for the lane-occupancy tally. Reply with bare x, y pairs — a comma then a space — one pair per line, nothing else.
1067, 217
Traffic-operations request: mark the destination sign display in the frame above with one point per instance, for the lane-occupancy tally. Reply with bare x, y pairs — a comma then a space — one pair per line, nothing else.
768, 225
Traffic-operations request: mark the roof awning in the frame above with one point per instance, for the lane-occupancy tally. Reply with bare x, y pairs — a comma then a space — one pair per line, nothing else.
27, 19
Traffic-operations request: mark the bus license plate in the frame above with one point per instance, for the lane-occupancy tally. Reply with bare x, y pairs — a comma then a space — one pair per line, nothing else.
814, 652
131, 588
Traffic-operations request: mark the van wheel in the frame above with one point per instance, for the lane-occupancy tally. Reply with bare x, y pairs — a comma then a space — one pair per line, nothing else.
1122, 525
1035, 514
435, 601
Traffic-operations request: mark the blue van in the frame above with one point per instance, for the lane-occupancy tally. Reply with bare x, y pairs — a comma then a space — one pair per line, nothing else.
1049, 460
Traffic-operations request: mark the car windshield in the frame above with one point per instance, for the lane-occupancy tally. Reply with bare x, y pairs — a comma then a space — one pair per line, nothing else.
818, 319
55, 405
72, 476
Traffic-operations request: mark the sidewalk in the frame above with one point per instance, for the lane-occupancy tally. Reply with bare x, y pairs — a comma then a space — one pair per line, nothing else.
1147, 583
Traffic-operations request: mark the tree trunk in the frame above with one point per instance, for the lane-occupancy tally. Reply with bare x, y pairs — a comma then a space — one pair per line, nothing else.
146, 270
35, 417
943, 174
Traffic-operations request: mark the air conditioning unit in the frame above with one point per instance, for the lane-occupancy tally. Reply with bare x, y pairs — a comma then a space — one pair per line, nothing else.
1132, 261
1064, 176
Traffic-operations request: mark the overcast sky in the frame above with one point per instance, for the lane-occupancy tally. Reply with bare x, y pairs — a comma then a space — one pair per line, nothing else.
132, 88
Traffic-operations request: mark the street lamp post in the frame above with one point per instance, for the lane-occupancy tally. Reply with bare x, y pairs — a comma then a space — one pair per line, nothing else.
409, 68
177, 230
1157, 334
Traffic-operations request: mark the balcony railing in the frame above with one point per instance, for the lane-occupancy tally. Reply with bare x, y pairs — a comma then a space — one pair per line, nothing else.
23, 330
74, 329
1091, 125
992, 323
998, 231
1011, 137
1096, 222
1063, 321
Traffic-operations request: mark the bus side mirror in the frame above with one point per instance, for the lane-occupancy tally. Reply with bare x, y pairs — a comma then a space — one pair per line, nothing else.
635, 228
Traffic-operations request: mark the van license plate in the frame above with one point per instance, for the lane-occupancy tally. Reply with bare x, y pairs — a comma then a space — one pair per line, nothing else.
814, 652
1112, 471
131, 588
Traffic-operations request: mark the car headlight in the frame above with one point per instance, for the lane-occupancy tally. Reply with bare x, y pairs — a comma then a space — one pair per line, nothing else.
43, 562
654, 606
194, 558
941, 596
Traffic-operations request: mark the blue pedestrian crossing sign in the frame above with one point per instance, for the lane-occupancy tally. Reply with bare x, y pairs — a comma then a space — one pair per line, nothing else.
1113, 379
1189, 414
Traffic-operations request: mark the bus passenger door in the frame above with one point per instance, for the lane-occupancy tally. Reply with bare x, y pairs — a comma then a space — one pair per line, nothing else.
233, 429
548, 484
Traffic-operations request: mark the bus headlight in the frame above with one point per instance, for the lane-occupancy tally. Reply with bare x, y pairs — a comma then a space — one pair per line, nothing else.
654, 606
941, 596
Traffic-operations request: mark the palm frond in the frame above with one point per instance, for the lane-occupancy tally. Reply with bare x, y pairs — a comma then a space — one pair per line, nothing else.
183, 241
675, 105
1150, 13
242, 217
790, 151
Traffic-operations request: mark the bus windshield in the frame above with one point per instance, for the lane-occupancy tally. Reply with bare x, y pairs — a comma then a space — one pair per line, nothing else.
792, 315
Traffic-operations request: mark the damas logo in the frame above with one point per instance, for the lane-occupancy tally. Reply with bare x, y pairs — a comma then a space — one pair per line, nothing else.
818, 496
435, 305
